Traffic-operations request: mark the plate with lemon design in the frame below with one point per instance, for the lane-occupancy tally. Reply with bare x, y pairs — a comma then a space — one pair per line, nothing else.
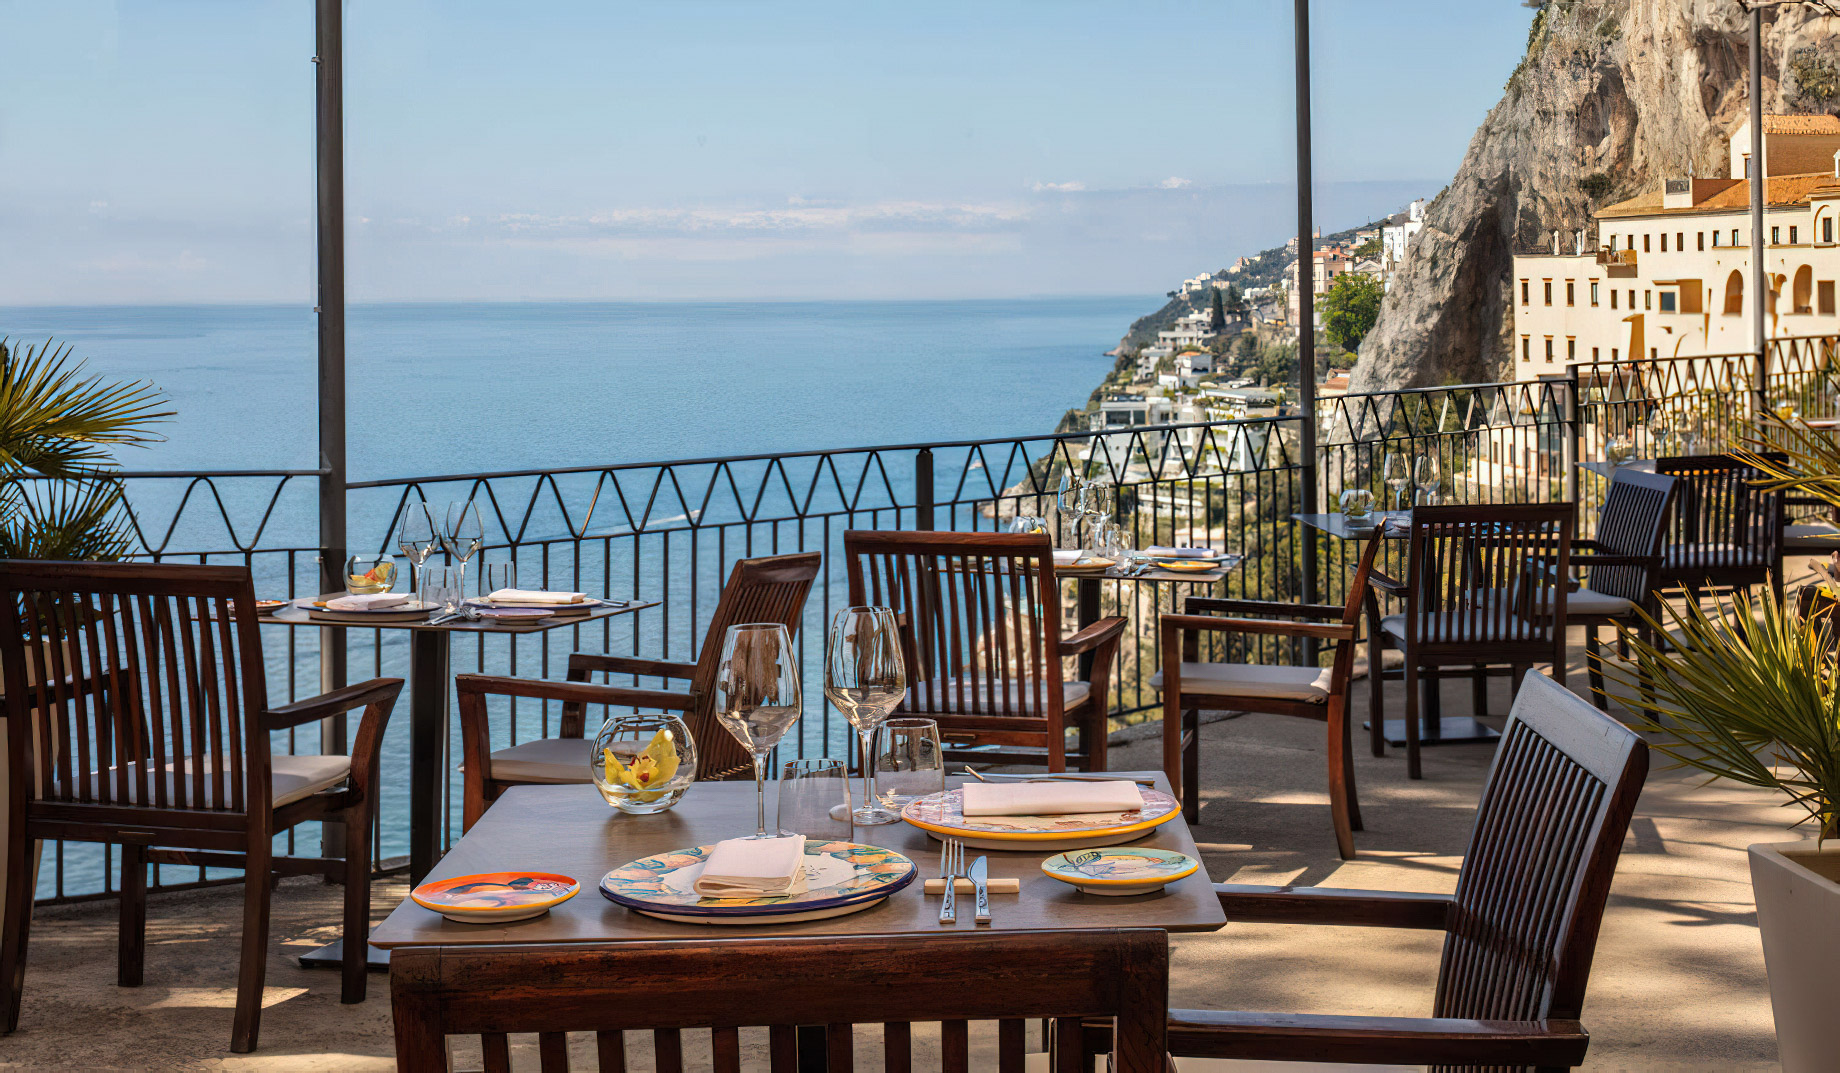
840, 878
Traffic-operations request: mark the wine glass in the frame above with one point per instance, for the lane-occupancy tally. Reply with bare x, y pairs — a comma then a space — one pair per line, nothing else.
417, 539
463, 534
758, 682
1398, 474
1073, 486
1427, 476
865, 680
1096, 501
1660, 431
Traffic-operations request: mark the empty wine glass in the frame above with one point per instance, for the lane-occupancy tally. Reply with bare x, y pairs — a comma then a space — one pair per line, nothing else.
865, 680
1427, 475
1073, 487
497, 576
441, 587
1398, 474
1096, 501
1660, 432
463, 534
417, 538
758, 683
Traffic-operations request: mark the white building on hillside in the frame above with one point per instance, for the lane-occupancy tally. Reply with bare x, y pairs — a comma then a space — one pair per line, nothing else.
1398, 231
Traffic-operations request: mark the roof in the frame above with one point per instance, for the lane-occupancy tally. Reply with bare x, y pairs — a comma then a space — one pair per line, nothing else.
1801, 124
1780, 190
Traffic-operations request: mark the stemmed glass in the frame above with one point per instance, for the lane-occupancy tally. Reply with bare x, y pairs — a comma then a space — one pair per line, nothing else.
417, 540
1398, 475
1096, 500
1660, 431
463, 534
758, 682
1072, 490
1427, 476
865, 679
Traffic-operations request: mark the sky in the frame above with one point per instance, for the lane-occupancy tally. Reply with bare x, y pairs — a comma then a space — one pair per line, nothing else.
161, 151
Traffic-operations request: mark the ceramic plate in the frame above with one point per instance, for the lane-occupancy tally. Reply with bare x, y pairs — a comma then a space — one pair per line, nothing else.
556, 609
1186, 566
1119, 871
1093, 564
515, 615
941, 815
414, 609
841, 877
495, 897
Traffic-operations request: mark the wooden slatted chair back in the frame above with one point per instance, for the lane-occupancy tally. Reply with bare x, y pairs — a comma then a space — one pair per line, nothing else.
148, 677
1483, 582
1548, 830
1727, 531
982, 614
1633, 522
724, 985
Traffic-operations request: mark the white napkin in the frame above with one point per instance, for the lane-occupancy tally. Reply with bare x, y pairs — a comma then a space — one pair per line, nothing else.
754, 867
1160, 552
1059, 798
370, 601
1067, 557
535, 596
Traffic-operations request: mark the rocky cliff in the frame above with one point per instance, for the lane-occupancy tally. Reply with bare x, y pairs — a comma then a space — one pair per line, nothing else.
1613, 97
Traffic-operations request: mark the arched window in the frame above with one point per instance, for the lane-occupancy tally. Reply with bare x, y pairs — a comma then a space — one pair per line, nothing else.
1804, 290
1734, 293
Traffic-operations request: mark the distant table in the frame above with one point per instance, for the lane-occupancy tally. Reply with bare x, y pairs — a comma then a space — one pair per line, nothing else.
1088, 591
1439, 729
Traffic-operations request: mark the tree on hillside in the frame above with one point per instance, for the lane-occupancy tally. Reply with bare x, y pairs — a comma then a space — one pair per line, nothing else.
1236, 301
1217, 316
1350, 309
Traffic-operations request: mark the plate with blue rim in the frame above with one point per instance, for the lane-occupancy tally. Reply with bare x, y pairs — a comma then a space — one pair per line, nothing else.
1120, 870
841, 878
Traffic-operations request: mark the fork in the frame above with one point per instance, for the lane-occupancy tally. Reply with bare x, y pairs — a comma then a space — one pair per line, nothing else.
951, 869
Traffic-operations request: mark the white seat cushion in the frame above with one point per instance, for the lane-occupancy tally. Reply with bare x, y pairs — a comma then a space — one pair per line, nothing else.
1310, 684
1586, 602
551, 760
1811, 536
945, 695
1395, 626
291, 778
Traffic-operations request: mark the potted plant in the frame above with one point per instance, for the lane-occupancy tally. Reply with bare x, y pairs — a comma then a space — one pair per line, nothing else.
58, 496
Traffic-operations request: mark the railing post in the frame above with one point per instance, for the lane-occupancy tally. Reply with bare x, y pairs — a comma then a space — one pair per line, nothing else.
1306, 297
923, 489
1759, 179
1574, 438
329, 124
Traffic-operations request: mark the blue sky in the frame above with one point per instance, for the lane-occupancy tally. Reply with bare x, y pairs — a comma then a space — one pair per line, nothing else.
162, 151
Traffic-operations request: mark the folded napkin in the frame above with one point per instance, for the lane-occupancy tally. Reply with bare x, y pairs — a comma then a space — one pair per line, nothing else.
1050, 798
370, 601
1067, 557
754, 867
1160, 552
535, 596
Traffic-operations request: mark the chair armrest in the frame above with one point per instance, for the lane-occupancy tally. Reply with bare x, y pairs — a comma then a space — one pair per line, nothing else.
581, 664
574, 692
1209, 605
1386, 584
376, 691
1093, 636
1430, 1041
1333, 906
1326, 631
1615, 560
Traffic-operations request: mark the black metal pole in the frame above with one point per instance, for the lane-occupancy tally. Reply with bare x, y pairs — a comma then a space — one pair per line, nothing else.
1306, 297
329, 124
1760, 273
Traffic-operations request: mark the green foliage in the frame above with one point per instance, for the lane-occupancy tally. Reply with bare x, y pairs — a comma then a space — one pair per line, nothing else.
1350, 309
1369, 250
1597, 186
1217, 313
1817, 81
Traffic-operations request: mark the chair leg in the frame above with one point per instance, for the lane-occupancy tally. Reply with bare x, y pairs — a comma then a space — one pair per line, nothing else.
131, 942
1191, 765
1095, 734
1413, 768
1354, 799
357, 930
1340, 787
1376, 679
1479, 690
15, 922
258, 879
1593, 662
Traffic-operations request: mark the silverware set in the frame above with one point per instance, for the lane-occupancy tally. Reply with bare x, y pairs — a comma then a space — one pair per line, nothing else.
951, 870
471, 613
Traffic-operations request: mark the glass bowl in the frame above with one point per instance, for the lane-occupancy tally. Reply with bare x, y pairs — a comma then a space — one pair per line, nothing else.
643, 762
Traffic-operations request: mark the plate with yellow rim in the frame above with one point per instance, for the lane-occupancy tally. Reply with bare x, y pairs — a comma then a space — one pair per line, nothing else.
941, 815
1187, 566
1121, 870
495, 897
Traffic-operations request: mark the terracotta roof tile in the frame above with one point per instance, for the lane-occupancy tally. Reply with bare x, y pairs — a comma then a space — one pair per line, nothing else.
1780, 190
1801, 124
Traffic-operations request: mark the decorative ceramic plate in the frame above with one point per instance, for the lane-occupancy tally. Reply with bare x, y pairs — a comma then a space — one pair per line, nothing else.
841, 878
515, 616
1187, 566
1120, 871
1094, 564
403, 612
269, 607
495, 897
588, 604
942, 815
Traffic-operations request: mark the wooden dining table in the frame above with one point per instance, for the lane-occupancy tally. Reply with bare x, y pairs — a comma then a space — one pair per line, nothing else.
1088, 590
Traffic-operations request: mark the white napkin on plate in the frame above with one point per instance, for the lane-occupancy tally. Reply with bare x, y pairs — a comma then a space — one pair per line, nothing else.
754, 867
370, 601
1067, 557
1065, 797
535, 596
1161, 552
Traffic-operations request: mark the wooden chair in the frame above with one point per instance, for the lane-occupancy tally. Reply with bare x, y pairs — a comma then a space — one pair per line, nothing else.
723, 985
1519, 932
1727, 532
1190, 686
983, 646
1482, 598
158, 694
1624, 562
769, 589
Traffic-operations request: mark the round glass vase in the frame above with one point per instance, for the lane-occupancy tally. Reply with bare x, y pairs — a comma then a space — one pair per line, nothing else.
642, 763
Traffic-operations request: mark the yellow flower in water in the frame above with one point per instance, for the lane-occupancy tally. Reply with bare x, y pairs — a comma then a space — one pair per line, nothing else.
653, 767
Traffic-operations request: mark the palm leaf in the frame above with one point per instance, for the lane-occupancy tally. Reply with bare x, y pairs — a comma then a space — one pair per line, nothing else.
56, 422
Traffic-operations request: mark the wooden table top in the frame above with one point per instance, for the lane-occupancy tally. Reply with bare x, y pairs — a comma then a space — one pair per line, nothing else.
570, 830
292, 615
1336, 525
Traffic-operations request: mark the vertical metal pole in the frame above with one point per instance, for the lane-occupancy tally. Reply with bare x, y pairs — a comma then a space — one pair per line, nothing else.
923, 489
1571, 452
1306, 297
329, 123
1760, 273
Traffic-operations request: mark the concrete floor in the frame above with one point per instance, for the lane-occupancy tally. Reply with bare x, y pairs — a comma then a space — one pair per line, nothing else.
1678, 985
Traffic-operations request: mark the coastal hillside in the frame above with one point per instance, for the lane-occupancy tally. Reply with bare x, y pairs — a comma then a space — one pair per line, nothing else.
1613, 97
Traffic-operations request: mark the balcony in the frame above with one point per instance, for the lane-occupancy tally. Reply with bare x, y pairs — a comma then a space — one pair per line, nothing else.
1617, 264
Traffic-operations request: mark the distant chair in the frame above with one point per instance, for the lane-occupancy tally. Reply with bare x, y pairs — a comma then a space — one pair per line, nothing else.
1624, 561
1727, 532
1519, 933
158, 687
1190, 686
1483, 593
1117, 982
771, 589
981, 637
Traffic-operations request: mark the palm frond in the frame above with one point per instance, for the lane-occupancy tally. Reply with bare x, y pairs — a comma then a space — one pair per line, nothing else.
80, 519
56, 422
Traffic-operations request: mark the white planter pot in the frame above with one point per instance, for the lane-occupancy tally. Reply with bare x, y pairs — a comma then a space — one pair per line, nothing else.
1797, 887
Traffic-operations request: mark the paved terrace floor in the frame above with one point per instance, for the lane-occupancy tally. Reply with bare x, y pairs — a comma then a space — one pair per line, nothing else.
1678, 985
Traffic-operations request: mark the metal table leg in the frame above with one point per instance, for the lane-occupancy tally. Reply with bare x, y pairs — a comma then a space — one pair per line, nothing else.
428, 677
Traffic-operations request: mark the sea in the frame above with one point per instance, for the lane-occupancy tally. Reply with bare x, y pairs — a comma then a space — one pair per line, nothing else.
450, 388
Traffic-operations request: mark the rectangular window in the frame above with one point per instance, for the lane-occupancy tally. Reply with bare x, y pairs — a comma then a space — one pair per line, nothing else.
1792, 238
1680, 242
1549, 350
1632, 298
1702, 240
1524, 298
1715, 239
1548, 287
1664, 242
1613, 354
1648, 299
1593, 353
1827, 229
1568, 293
1645, 243
1667, 301
1612, 299
1571, 350
1775, 236
1734, 237
1612, 243
1654, 353
1825, 289
1526, 349
1593, 292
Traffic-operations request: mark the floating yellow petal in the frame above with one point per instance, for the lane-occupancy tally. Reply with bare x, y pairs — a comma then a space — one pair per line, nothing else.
653, 767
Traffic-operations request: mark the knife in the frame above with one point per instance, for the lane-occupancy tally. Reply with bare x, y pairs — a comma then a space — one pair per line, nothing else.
979, 874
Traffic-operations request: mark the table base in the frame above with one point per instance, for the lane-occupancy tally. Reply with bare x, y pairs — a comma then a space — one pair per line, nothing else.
1450, 730
332, 956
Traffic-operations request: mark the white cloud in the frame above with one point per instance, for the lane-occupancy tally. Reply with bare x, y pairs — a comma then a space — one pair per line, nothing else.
1058, 188
1175, 182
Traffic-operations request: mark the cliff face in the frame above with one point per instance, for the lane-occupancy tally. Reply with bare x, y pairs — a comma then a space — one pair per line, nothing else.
1630, 90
